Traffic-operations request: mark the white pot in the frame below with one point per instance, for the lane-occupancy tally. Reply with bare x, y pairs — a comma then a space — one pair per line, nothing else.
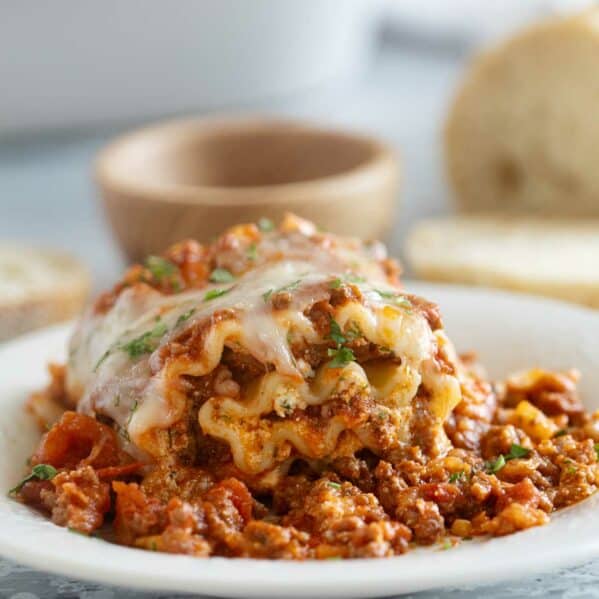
72, 62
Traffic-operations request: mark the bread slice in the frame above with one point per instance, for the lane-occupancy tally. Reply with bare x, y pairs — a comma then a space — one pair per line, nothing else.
523, 132
555, 258
38, 287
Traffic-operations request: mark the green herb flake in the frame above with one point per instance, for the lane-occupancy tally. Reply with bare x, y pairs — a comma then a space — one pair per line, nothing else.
145, 343
266, 295
456, 476
185, 316
517, 452
336, 333
160, 268
354, 278
596, 446
334, 485
214, 293
116, 402
342, 356
397, 298
495, 466
221, 275
102, 359
153, 546
252, 252
336, 283
447, 544
265, 225
560, 433
39, 472
290, 286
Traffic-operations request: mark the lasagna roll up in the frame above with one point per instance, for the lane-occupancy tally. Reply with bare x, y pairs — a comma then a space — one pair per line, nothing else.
266, 348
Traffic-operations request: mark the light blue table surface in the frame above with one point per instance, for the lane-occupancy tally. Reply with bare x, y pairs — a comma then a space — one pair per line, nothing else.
47, 197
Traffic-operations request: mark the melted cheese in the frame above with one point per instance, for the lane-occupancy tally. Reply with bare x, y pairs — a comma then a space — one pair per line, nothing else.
139, 390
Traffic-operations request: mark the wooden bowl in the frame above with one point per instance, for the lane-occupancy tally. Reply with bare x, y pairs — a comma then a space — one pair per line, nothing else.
194, 178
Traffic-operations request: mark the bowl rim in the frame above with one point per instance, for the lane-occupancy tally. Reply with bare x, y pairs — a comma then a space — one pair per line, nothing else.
383, 160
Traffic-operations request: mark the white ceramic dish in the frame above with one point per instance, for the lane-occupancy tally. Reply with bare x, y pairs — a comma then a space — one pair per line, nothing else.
508, 331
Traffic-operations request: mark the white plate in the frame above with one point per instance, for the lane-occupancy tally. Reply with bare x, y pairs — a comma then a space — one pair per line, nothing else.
509, 332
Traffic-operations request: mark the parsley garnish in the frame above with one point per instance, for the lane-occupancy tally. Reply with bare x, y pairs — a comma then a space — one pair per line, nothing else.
39, 472
252, 252
516, 452
560, 433
289, 287
398, 299
456, 476
596, 446
145, 343
221, 275
185, 316
354, 278
336, 283
342, 356
495, 465
334, 485
265, 225
160, 267
336, 333
131, 412
214, 293
102, 358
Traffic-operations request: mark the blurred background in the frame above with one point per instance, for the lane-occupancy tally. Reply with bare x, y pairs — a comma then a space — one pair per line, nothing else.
76, 73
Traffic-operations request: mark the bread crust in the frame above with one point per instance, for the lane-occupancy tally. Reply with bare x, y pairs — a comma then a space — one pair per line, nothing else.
42, 304
522, 134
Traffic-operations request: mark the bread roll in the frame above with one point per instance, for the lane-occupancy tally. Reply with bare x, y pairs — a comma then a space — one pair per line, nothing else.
523, 132
555, 258
38, 287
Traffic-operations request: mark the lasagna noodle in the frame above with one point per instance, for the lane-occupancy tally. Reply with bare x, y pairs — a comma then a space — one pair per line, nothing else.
288, 411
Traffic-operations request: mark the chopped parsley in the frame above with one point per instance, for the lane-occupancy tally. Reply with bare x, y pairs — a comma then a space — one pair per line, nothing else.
342, 356
457, 476
354, 278
334, 485
252, 252
265, 225
102, 358
221, 275
516, 452
160, 268
146, 343
214, 293
596, 446
39, 472
447, 544
495, 466
336, 283
560, 433
289, 287
336, 333
185, 316
397, 298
